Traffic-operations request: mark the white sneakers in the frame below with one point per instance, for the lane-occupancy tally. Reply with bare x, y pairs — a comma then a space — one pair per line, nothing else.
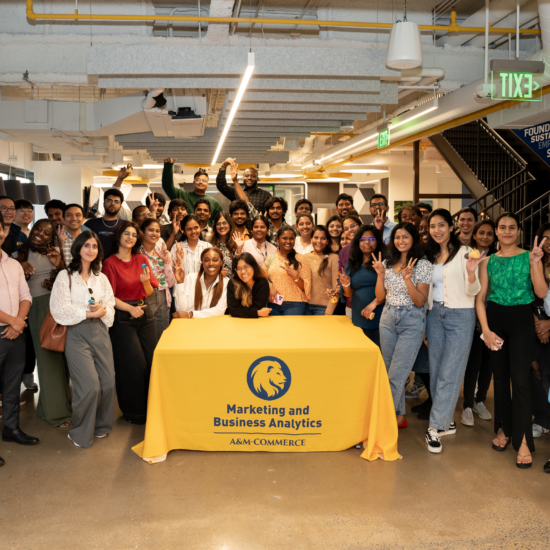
467, 417
433, 440
481, 410
539, 430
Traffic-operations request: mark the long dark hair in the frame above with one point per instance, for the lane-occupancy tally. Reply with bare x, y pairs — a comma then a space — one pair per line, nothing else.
309, 217
355, 260
215, 239
148, 222
218, 289
185, 221
338, 219
291, 257
493, 248
242, 292
117, 235
78, 243
432, 249
394, 256
327, 251
23, 252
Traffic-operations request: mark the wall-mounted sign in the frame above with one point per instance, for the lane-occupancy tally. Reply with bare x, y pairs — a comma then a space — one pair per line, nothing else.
383, 138
538, 138
516, 86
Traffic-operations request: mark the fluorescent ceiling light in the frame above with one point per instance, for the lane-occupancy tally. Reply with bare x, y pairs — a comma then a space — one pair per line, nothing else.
408, 116
326, 179
236, 102
350, 146
285, 175
366, 169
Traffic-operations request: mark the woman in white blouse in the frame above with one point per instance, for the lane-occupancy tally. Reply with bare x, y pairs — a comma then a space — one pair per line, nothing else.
83, 300
259, 246
304, 224
202, 294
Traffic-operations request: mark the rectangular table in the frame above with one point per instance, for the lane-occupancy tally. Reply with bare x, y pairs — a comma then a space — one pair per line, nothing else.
277, 384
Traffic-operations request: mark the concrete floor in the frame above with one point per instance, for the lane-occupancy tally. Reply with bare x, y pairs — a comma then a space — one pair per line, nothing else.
56, 496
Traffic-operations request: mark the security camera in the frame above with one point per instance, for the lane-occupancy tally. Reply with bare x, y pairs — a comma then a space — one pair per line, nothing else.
316, 162
154, 98
484, 91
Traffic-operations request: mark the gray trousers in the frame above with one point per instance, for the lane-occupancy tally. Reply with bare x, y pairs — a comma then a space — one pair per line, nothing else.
90, 359
158, 306
12, 365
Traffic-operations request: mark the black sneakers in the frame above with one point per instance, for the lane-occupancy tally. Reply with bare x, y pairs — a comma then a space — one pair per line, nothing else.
433, 441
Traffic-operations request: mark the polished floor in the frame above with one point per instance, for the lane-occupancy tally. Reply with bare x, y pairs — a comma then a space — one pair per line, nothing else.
56, 496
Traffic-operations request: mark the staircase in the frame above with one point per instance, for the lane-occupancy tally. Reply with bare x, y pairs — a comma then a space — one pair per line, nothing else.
501, 172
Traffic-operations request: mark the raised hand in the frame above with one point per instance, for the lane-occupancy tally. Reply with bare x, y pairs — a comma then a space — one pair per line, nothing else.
537, 253
165, 255
61, 235
344, 279
234, 171
123, 173
54, 257
179, 254
176, 225
472, 263
379, 220
238, 241
169, 160
145, 277
409, 270
227, 162
378, 265
290, 271
224, 271
153, 204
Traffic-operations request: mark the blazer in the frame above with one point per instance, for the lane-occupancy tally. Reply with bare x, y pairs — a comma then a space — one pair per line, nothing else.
459, 293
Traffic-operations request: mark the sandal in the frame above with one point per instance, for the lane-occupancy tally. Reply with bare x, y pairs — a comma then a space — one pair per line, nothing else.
66, 424
499, 448
524, 465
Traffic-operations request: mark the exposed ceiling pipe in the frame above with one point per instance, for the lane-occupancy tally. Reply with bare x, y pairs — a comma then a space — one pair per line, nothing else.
149, 102
529, 12
499, 9
453, 27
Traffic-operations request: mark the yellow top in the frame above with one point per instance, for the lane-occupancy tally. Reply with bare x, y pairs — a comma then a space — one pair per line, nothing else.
275, 269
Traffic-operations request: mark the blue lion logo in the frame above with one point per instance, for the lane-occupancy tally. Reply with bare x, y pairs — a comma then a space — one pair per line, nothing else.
268, 378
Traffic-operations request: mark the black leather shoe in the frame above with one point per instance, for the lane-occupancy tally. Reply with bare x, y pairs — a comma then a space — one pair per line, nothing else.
1, 461
19, 437
547, 467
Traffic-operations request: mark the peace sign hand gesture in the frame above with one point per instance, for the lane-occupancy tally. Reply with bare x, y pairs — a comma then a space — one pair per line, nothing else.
179, 254
165, 255
153, 204
472, 263
378, 265
537, 252
408, 271
344, 279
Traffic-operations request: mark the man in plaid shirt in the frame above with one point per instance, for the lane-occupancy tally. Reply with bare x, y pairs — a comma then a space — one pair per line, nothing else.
73, 218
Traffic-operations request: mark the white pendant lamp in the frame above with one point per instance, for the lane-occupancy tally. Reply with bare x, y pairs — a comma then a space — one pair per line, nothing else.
404, 46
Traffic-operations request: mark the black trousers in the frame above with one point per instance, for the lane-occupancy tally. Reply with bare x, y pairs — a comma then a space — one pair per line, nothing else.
516, 326
30, 360
479, 365
134, 342
540, 383
12, 363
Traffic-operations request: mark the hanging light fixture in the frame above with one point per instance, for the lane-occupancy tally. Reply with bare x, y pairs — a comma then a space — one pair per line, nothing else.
405, 45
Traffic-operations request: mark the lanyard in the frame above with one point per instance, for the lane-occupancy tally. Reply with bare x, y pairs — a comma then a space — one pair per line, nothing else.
264, 256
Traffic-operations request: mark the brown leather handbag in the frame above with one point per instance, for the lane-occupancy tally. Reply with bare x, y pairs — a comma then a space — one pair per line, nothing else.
53, 335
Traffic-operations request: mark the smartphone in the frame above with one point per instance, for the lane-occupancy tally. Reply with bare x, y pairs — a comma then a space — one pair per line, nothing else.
279, 300
499, 343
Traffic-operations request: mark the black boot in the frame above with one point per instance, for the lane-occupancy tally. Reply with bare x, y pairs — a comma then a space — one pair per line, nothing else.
425, 408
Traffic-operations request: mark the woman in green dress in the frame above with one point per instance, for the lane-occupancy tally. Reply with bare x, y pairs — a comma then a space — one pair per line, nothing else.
508, 328
40, 258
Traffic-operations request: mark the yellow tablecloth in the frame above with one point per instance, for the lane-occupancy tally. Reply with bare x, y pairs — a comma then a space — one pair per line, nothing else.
278, 384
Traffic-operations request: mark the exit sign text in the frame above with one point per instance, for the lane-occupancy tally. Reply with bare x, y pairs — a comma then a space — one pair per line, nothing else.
384, 138
516, 86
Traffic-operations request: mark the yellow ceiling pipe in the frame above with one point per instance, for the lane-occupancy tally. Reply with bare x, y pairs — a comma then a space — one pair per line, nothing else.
426, 133
453, 27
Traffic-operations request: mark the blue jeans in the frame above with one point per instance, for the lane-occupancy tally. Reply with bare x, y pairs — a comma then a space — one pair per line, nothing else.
288, 308
313, 309
401, 332
450, 333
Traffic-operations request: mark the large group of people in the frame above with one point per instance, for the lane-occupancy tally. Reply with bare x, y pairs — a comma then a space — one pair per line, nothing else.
453, 304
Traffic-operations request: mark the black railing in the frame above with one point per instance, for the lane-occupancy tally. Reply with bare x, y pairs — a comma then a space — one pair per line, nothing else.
503, 173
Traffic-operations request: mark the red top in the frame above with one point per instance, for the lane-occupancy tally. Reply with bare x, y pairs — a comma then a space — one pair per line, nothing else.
124, 277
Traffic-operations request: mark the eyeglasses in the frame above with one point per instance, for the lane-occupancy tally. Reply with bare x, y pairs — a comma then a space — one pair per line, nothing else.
242, 269
221, 224
351, 226
377, 204
142, 214
7, 208
365, 239
131, 235
112, 201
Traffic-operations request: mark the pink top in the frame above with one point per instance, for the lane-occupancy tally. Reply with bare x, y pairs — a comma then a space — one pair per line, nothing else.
13, 286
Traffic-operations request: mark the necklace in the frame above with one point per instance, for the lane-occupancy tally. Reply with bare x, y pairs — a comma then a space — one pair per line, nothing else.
110, 226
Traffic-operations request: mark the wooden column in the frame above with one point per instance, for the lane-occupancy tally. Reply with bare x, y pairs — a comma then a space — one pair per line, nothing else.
416, 169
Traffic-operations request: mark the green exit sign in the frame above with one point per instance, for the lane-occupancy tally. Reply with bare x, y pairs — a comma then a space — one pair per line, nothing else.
516, 86
383, 138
